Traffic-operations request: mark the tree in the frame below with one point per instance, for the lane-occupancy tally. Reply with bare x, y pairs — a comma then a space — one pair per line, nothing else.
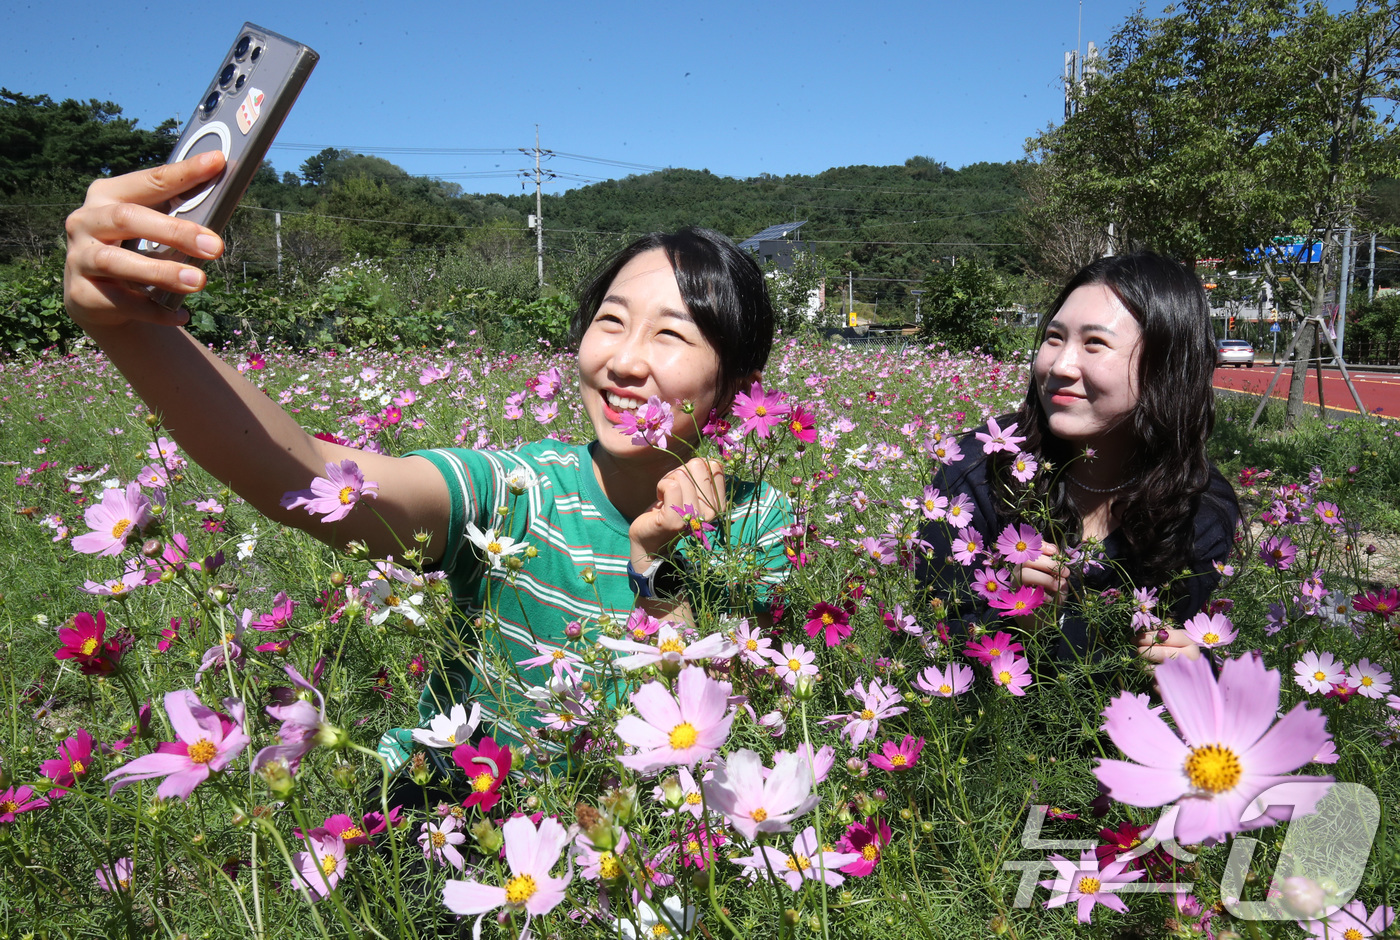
1216, 129
963, 306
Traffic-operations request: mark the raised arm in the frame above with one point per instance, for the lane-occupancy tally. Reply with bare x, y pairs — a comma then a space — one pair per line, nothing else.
224, 422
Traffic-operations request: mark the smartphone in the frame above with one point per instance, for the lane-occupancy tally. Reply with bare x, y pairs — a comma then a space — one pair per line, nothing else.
252, 92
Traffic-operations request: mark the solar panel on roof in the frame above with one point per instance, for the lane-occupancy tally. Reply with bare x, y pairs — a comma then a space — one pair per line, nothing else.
771, 233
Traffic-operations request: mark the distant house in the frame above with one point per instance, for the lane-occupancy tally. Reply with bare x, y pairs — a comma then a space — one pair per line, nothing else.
775, 244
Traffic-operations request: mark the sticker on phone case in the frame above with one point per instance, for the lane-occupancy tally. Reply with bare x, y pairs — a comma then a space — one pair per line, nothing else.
250, 109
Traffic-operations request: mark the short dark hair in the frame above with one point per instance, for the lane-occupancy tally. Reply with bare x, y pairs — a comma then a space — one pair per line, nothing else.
724, 290
1174, 415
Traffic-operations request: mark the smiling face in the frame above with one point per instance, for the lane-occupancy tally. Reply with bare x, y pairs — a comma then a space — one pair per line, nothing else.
643, 342
1086, 371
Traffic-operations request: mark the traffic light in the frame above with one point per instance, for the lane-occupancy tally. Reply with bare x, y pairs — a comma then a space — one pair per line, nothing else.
1231, 326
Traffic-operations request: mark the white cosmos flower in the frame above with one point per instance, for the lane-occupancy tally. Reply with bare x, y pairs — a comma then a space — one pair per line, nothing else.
386, 597
450, 729
673, 921
248, 544
493, 545
670, 647
520, 480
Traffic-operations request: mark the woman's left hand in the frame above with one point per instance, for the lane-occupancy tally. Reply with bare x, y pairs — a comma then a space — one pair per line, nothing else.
697, 483
1176, 644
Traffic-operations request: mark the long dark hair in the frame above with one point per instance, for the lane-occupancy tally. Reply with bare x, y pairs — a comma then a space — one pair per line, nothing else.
1173, 417
724, 290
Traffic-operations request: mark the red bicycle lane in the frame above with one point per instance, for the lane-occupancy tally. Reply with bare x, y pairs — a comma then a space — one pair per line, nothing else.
1379, 391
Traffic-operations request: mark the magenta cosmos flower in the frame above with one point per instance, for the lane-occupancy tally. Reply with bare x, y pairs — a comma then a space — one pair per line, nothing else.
530, 853
648, 424
753, 803
833, 623
334, 495
1019, 602
866, 841
83, 640
487, 764
18, 800
113, 521
998, 439
207, 743
897, 758
1278, 551
761, 411
1225, 751
71, 765
678, 730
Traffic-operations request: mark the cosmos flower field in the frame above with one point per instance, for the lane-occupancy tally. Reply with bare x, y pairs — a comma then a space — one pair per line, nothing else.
193, 697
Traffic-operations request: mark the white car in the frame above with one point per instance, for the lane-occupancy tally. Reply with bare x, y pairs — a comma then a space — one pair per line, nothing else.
1234, 352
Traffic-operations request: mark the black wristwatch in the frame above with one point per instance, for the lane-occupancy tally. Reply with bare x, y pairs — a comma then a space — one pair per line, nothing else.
662, 578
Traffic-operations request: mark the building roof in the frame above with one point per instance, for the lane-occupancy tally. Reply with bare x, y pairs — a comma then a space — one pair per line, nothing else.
771, 233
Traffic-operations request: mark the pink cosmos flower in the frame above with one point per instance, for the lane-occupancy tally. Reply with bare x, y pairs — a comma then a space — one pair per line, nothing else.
832, 622
945, 450
808, 861
116, 876
821, 760
545, 412
865, 841
988, 648
967, 546
989, 582
754, 647
997, 439
1385, 603
334, 495
114, 520
207, 743
679, 730
486, 765
753, 803
795, 661
698, 528
1319, 673
1019, 544
761, 411
898, 758
1225, 751
899, 622
71, 765
934, 504
560, 661
547, 384
641, 625
652, 423
440, 842
1023, 468
1278, 551
1328, 513
303, 727
803, 425
1011, 673
959, 512
670, 649
1144, 600
1088, 883
1368, 679
1210, 630
18, 800
945, 683
1019, 602
530, 853
1351, 923
83, 640
877, 702
320, 870
280, 616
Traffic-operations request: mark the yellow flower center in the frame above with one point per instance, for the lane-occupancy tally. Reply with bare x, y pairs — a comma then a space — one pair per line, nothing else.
328, 864
870, 853
557, 654
1211, 638
945, 689
452, 738
827, 620
566, 718
1004, 677
438, 840
9, 806
1021, 605
1351, 933
659, 929
354, 832
795, 665
1088, 885
393, 600
693, 798
759, 814
942, 452
866, 714
1020, 466
1320, 675
493, 548
683, 735
1367, 681
798, 863
1021, 546
671, 645
520, 889
119, 530
203, 751
751, 645
347, 495
695, 524
899, 760
994, 652
78, 768
761, 411
1213, 768
482, 782
609, 867
692, 847
89, 646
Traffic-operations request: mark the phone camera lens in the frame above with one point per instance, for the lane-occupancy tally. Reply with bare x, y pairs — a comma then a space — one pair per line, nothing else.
239, 84
256, 53
240, 50
211, 102
226, 75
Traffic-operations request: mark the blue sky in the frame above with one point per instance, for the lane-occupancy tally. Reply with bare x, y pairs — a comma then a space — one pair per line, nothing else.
739, 89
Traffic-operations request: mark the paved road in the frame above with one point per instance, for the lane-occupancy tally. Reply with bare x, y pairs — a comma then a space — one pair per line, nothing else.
1380, 391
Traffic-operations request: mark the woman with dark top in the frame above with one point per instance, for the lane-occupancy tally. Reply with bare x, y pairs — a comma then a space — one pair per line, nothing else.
1117, 415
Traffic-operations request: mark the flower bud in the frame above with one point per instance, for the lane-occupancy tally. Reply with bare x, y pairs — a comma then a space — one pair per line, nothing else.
152, 548
573, 630
1303, 897
338, 578
344, 775
513, 563
791, 918
588, 574
357, 550
805, 689
671, 793
421, 537
152, 420
621, 804
332, 737
531, 551
278, 778
418, 770
487, 836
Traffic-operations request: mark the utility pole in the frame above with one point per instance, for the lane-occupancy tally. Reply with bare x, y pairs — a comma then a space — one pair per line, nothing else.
1371, 272
537, 220
277, 227
1342, 293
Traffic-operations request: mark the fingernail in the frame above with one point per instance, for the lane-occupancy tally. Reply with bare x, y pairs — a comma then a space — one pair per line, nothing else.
190, 277
207, 244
